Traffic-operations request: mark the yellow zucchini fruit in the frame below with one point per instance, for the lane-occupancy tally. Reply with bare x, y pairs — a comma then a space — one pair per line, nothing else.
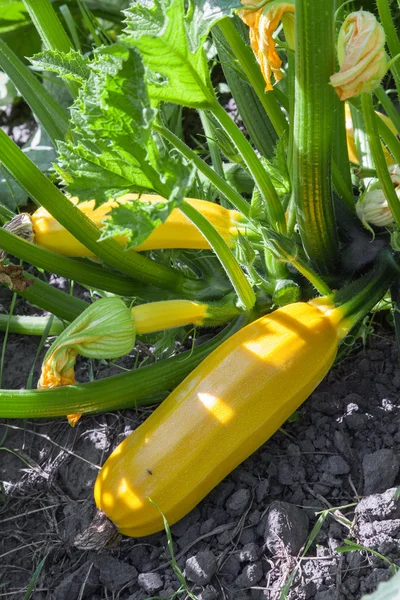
176, 232
351, 142
219, 415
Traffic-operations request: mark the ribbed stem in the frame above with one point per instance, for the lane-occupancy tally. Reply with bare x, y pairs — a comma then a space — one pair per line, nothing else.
313, 123
52, 116
129, 390
219, 182
371, 126
392, 39
30, 325
50, 29
388, 107
276, 215
232, 268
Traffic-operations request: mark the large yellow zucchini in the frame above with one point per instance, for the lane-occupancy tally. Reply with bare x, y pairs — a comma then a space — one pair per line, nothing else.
176, 232
221, 413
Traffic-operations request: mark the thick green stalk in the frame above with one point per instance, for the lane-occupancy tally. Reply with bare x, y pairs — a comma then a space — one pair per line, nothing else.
51, 31
341, 174
392, 39
251, 109
50, 113
249, 64
276, 214
62, 305
38, 187
129, 390
232, 268
215, 154
341, 187
390, 139
88, 274
371, 126
30, 325
220, 183
313, 125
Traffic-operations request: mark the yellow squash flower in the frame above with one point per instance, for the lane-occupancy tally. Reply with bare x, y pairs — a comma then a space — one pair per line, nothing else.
361, 55
263, 18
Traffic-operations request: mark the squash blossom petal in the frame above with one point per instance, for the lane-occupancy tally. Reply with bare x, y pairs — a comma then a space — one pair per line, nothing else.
361, 55
372, 208
263, 18
105, 329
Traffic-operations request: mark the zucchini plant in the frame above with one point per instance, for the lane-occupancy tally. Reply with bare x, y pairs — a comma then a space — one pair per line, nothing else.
296, 214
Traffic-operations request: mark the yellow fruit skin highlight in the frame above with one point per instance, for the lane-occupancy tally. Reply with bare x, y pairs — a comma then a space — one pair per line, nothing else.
219, 415
176, 232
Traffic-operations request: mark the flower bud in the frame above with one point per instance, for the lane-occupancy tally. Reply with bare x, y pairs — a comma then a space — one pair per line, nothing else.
361, 55
263, 18
104, 330
372, 208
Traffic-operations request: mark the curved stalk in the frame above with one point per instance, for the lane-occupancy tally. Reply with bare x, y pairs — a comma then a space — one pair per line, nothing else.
238, 279
370, 119
30, 325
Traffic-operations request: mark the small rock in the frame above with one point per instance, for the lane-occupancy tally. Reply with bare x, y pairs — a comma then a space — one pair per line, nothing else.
286, 529
209, 593
248, 535
238, 502
250, 553
114, 573
139, 556
231, 566
336, 465
380, 470
150, 582
327, 594
181, 527
250, 575
262, 489
201, 568
73, 583
378, 507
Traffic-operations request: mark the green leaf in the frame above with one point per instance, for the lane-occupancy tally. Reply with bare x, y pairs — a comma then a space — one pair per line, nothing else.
72, 66
12, 12
110, 150
136, 221
204, 14
175, 74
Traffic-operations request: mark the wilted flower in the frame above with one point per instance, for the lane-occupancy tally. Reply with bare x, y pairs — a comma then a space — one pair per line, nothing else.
373, 208
361, 55
263, 18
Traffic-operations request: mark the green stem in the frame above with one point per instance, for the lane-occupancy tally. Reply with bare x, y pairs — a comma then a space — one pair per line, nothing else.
249, 64
39, 188
341, 174
220, 183
388, 107
51, 31
391, 37
50, 113
357, 299
316, 281
49, 298
129, 390
389, 139
30, 325
212, 145
88, 274
370, 119
238, 279
276, 213
313, 125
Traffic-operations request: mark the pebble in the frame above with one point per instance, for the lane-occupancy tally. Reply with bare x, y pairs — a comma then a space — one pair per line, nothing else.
201, 567
250, 553
380, 471
287, 528
238, 502
251, 575
150, 582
